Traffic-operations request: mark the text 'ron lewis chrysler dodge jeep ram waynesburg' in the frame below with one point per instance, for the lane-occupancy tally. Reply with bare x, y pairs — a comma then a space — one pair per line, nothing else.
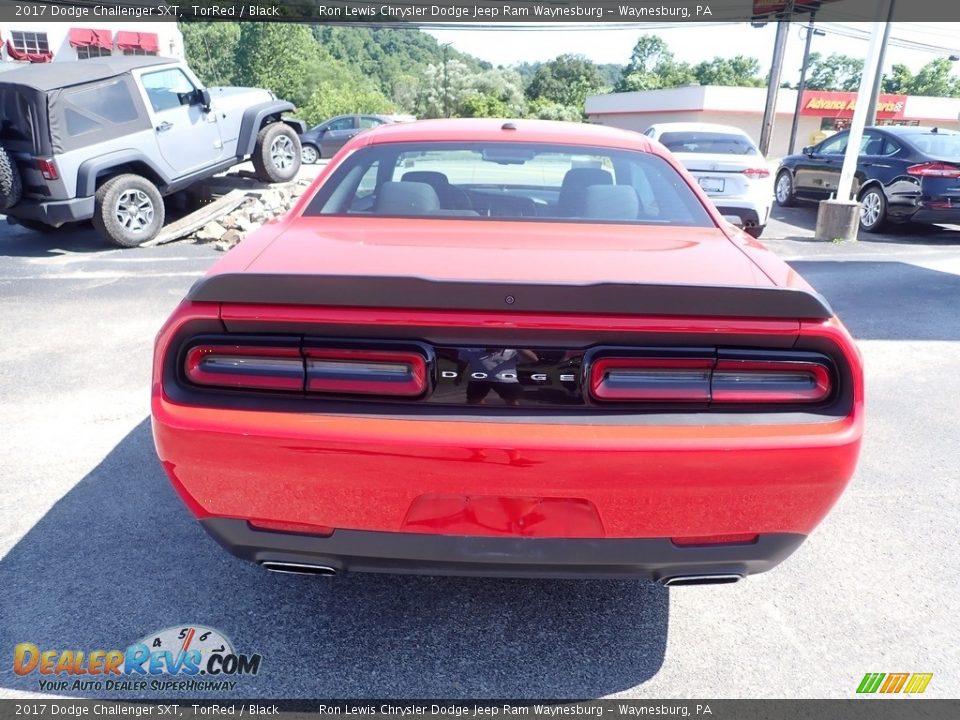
106, 139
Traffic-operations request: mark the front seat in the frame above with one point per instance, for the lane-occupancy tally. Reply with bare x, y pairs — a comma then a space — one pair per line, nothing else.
406, 198
451, 197
575, 181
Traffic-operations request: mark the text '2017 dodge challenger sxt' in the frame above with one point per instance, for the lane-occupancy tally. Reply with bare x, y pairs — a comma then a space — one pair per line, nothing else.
507, 348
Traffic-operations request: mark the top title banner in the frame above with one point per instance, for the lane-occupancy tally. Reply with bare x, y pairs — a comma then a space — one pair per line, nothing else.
437, 12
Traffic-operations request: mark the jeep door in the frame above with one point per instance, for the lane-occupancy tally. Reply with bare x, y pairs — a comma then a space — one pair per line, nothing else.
188, 137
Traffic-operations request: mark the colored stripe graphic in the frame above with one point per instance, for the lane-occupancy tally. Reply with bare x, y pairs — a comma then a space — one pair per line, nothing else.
870, 682
918, 682
895, 682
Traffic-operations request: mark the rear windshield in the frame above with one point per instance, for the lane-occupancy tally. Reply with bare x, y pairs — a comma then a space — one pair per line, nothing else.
937, 144
713, 143
510, 181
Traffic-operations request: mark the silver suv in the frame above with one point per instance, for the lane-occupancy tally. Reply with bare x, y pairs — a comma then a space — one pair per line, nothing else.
106, 139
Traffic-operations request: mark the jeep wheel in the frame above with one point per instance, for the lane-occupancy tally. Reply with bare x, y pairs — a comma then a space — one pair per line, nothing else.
10, 186
276, 156
309, 154
128, 210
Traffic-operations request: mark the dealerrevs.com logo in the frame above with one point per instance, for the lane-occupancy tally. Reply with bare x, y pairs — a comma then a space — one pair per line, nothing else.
184, 657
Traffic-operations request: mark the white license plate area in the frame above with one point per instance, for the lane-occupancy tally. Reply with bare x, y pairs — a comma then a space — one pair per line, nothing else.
712, 184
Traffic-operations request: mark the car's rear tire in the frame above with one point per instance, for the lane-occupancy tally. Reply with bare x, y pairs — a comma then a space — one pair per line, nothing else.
309, 154
783, 189
11, 188
276, 155
755, 230
873, 210
128, 210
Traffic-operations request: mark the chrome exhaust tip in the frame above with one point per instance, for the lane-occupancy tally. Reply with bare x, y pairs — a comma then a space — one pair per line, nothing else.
679, 580
295, 568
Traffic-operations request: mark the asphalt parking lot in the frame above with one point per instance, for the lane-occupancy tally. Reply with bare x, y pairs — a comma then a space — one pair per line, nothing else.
96, 551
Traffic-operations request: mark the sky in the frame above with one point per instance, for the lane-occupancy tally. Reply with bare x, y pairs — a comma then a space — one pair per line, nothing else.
695, 42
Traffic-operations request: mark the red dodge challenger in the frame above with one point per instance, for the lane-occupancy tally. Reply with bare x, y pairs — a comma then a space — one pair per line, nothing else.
515, 348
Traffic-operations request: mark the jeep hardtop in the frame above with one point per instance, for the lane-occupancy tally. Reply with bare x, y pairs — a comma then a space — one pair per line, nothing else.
106, 139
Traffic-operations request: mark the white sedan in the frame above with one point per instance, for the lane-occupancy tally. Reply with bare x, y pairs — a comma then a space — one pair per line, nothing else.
728, 166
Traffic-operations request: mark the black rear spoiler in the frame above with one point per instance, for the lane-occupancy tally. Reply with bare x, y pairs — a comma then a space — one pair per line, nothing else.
601, 298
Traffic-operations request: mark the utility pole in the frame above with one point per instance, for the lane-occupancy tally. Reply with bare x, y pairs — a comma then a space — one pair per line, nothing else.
878, 80
773, 83
446, 87
811, 31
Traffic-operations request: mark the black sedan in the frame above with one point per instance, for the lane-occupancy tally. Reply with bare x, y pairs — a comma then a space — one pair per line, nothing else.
904, 174
323, 140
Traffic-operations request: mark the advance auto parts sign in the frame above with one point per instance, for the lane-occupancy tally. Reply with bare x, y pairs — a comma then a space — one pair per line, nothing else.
824, 103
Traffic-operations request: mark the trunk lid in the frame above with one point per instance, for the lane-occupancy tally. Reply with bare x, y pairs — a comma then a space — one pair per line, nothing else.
509, 266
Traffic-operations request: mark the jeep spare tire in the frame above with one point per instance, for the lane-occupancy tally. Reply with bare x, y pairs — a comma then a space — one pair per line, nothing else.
128, 210
276, 155
11, 189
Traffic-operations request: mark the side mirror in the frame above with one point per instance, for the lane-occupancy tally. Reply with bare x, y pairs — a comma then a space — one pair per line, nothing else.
808, 150
734, 220
203, 97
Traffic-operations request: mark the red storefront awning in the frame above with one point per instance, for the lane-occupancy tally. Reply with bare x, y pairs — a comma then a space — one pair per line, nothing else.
37, 57
147, 42
84, 37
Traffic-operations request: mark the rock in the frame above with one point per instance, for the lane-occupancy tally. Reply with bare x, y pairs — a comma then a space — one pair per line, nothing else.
229, 221
211, 231
231, 238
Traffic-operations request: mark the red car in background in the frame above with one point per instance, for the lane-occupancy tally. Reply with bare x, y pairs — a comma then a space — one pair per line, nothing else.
512, 348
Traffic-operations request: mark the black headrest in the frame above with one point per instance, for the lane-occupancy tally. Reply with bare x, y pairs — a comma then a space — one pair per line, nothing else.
406, 198
611, 202
578, 178
436, 180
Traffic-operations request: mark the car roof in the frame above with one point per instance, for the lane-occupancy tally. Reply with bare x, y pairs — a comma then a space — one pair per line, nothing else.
698, 127
50, 76
504, 130
914, 130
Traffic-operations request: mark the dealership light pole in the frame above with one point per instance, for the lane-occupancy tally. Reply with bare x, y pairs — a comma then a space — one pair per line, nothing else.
878, 80
811, 31
837, 218
773, 83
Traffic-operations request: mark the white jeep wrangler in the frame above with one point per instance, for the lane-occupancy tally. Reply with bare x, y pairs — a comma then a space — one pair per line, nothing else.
106, 139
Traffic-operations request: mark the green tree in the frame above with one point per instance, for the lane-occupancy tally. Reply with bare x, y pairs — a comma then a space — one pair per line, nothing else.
739, 71
211, 49
483, 105
566, 80
934, 80
652, 66
281, 57
544, 109
834, 72
898, 81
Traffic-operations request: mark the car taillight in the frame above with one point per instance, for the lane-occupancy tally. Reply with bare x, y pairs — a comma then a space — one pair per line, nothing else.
47, 168
366, 372
651, 379
708, 380
768, 381
934, 169
242, 366
757, 173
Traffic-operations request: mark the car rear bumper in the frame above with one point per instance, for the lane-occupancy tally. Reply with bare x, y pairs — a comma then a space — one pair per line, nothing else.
364, 551
937, 216
462, 477
53, 212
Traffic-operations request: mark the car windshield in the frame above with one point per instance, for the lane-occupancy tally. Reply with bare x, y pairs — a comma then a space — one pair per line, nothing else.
937, 144
510, 181
714, 143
